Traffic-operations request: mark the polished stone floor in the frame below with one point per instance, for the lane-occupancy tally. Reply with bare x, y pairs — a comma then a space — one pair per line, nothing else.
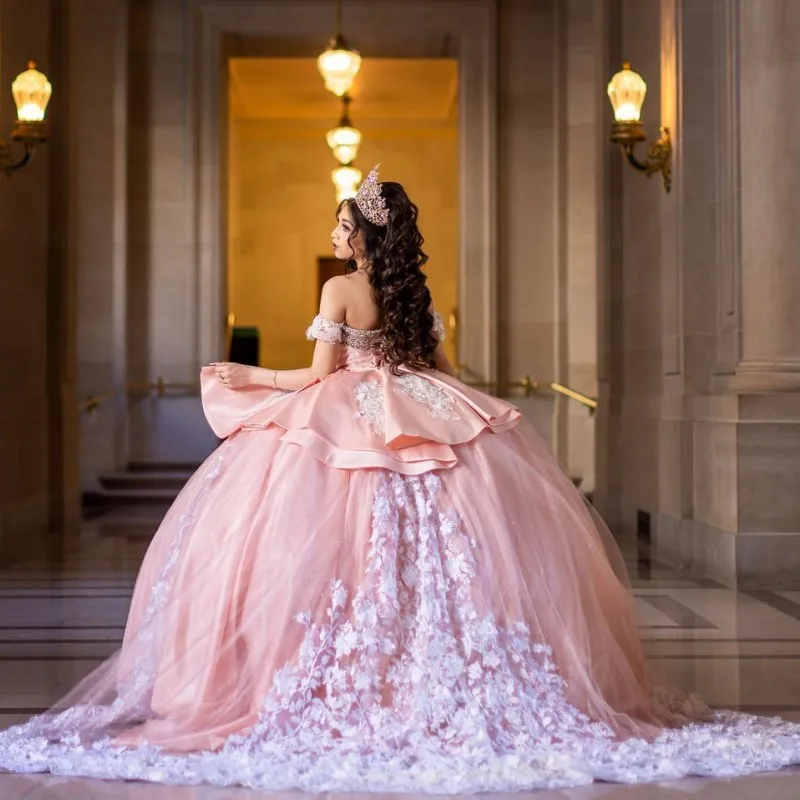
59, 617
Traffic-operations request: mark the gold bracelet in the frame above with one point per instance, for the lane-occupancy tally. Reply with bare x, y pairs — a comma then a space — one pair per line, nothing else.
274, 379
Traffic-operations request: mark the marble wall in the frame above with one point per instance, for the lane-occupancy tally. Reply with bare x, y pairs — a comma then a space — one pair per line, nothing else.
699, 381
98, 39
548, 210
37, 437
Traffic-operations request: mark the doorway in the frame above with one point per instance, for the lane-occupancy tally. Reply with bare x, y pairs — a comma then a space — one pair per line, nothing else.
282, 201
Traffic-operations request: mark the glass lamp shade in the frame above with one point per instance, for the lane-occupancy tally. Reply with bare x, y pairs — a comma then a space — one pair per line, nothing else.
338, 66
626, 92
346, 181
31, 91
344, 142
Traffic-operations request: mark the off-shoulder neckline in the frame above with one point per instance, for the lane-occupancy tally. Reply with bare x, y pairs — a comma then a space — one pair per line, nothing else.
349, 327
360, 330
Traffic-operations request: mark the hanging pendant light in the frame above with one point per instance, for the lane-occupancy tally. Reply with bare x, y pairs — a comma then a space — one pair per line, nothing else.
344, 139
339, 64
346, 180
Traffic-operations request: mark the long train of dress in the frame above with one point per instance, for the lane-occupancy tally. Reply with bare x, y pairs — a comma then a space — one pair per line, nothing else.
383, 583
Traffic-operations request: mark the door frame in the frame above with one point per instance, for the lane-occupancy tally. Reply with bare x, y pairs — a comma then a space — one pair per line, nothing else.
392, 29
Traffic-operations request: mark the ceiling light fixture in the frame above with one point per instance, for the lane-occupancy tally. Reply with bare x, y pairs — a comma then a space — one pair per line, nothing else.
344, 139
346, 180
339, 64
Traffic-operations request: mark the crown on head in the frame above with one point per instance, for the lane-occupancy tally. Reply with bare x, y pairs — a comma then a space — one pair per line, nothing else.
370, 201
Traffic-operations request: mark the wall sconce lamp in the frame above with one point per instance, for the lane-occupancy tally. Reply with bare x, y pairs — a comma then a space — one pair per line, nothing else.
31, 91
627, 91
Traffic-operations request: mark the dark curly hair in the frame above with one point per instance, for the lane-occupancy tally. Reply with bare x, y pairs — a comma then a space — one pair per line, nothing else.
397, 280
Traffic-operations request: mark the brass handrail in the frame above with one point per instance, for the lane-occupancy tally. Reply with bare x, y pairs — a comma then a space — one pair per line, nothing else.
572, 394
526, 383
529, 386
161, 387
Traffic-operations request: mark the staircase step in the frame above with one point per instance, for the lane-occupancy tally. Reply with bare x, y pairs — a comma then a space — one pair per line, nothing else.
145, 480
130, 522
130, 497
135, 514
163, 466
144, 483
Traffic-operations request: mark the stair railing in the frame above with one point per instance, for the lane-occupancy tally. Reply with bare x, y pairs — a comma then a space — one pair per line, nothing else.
530, 386
160, 387
164, 388
526, 383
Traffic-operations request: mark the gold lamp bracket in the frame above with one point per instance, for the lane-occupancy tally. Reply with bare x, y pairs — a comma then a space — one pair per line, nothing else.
659, 153
7, 166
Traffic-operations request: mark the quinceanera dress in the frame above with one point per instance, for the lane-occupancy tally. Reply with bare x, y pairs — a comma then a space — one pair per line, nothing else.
382, 583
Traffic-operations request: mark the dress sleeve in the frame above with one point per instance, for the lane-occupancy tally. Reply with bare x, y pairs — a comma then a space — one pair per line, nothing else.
325, 330
438, 326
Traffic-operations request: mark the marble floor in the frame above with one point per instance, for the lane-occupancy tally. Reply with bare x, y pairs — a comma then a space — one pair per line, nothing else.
60, 616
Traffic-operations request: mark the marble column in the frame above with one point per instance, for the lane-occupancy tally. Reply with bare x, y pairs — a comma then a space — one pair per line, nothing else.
38, 488
770, 171
740, 63
98, 32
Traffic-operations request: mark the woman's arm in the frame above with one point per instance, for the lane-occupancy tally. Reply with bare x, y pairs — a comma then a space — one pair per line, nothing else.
326, 356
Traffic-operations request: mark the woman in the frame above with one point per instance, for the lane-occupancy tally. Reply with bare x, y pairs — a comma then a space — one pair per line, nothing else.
382, 581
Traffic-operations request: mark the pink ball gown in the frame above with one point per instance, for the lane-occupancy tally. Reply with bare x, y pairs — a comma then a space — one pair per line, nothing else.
382, 583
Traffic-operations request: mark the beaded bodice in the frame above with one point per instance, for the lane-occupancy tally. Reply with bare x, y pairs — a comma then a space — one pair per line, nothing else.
326, 330
339, 333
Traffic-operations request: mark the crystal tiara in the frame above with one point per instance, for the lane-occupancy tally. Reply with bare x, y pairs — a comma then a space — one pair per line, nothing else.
370, 201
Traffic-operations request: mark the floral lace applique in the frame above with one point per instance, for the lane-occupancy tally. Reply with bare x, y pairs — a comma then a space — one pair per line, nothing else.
435, 400
324, 330
438, 402
369, 398
411, 660
134, 691
409, 684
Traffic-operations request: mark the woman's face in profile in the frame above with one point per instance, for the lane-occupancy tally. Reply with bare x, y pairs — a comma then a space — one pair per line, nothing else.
345, 245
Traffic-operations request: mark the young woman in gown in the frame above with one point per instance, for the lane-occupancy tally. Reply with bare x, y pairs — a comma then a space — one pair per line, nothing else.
381, 581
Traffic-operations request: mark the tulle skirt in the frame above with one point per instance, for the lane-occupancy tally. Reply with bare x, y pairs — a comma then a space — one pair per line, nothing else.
463, 627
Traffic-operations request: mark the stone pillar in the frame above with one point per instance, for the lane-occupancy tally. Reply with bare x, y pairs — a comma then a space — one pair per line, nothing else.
38, 491
766, 379
585, 113
738, 516
770, 171
98, 31
607, 495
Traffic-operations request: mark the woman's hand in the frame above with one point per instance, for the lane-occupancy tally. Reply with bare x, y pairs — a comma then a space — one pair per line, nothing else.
233, 376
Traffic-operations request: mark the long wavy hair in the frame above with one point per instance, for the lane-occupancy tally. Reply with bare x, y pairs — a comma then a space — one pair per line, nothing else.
398, 283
